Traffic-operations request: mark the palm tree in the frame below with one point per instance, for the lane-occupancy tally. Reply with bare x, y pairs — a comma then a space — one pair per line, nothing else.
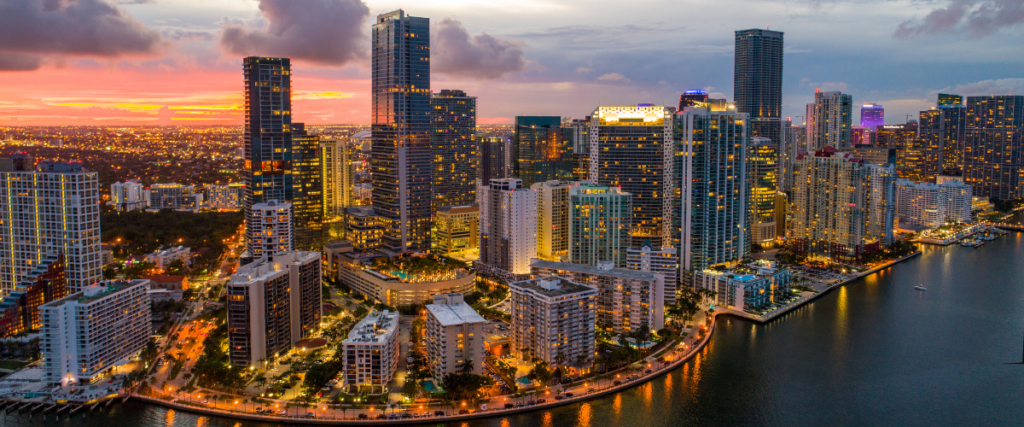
467, 367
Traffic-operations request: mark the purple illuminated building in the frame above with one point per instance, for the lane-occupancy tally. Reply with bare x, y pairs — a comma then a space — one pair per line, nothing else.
872, 115
691, 97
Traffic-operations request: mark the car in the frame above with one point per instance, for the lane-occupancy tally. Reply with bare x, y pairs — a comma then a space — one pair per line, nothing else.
510, 406
438, 413
647, 371
363, 416
617, 383
463, 411
259, 410
281, 412
382, 417
520, 405
569, 395
205, 402
392, 416
310, 415
559, 397
531, 403
326, 388
405, 415
541, 401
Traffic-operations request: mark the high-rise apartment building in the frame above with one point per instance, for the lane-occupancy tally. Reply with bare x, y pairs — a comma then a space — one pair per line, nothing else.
842, 207
553, 320
793, 142
508, 228
89, 332
128, 196
49, 209
757, 81
455, 156
829, 120
495, 157
308, 190
272, 231
664, 261
714, 188
763, 184
454, 335
994, 146
872, 115
553, 219
580, 136
626, 299
224, 197
456, 229
272, 303
945, 99
363, 228
599, 224
541, 150
633, 148
933, 205
19, 310
337, 159
370, 354
400, 159
267, 137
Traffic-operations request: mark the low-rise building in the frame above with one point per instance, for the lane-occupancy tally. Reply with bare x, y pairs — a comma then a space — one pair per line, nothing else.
663, 261
175, 196
128, 196
170, 283
394, 288
164, 257
745, 287
932, 205
370, 354
626, 299
87, 333
454, 336
553, 320
228, 197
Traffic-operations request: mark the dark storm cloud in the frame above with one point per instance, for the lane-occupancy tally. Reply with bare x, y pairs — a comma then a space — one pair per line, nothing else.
977, 18
31, 30
328, 32
456, 53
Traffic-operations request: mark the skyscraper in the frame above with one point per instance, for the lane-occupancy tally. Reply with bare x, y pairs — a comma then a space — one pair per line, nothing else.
945, 99
580, 131
994, 148
599, 224
757, 81
508, 228
829, 120
337, 163
872, 115
552, 219
267, 138
494, 160
308, 193
763, 182
691, 98
632, 148
400, 156
453, 115
540, 150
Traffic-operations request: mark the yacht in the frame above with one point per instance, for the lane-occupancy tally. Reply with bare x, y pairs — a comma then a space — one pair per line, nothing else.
920, 287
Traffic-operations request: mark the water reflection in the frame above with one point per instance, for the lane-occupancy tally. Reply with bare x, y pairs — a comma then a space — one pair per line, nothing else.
169, 417
546, 420
584, 419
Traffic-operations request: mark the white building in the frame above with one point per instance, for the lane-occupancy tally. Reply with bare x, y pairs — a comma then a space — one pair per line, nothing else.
664, 261
272, 229
87, 333
829, 121
553, 219
931, 205
175, 196
128, 196
745, 287
508, 228
338, 175
553, 320
163, 258
224, 197
626, 299
50, 210
371, 351
454, 336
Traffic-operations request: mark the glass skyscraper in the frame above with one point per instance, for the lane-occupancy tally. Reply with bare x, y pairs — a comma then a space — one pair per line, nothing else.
599, 224
400, 156
763, 184
308, 190
757, 82
267, 137
494, 157
872, 115
454, 151
994, 146
541, 151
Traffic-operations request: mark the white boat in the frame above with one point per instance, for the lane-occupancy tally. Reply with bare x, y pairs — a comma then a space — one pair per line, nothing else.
920, 288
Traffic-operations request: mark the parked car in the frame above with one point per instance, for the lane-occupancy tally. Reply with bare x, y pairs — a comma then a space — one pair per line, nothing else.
438, 413
363, 416
617, 383
463, 412
510, 406
569, 395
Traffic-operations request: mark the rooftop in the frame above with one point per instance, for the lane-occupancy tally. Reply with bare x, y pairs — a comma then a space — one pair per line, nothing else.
375, 327
552, 286
589, 269
455, 314
97, 291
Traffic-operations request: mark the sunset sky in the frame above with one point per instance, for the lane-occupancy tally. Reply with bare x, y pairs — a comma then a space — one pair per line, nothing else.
136, 62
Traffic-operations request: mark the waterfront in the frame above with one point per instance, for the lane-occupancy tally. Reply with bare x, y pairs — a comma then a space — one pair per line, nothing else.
875, 352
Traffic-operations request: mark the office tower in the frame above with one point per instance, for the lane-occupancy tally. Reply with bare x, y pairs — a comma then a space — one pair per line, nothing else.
308, 190
763, 182
875, 155
757, 81
632, 148
692, 98
842, 207
19, 310
541, 151
714, 188
553, 321
933, 205
455, 157
267, 137
872, 115
173, 196
580, 131
745, 287
456, 229
793, 142
952, 128
993, 151
600, 219
945, 99
552, 219
454, 335
87, 333
272, 230
370, 353
508, 228
829, 120
272, 303
363, 228
128, 196
338, 167
896, 137
860, 135
626, 299
47, 210
663, 261
494, 157
920, 159
224, 197
401, 155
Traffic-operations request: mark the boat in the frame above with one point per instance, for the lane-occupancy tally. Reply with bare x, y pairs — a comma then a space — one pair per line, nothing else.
920, 287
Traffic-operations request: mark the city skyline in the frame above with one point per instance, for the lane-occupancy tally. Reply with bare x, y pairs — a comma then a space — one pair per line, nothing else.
177, 63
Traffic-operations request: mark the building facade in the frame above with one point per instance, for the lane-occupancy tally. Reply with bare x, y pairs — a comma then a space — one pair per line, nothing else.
553, 320
456, 229
228, 197
757, 81
454, 335
872, 115
933, 205
495, 161
363, 228
337, 159
994, 146
745, 287
308, 190
455, 157
19, 310
552, 219
128, 196
175, 196
370, 354
271, 225
508, 228
663, 261
541, 151
829, 120
763, 182
599, 224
